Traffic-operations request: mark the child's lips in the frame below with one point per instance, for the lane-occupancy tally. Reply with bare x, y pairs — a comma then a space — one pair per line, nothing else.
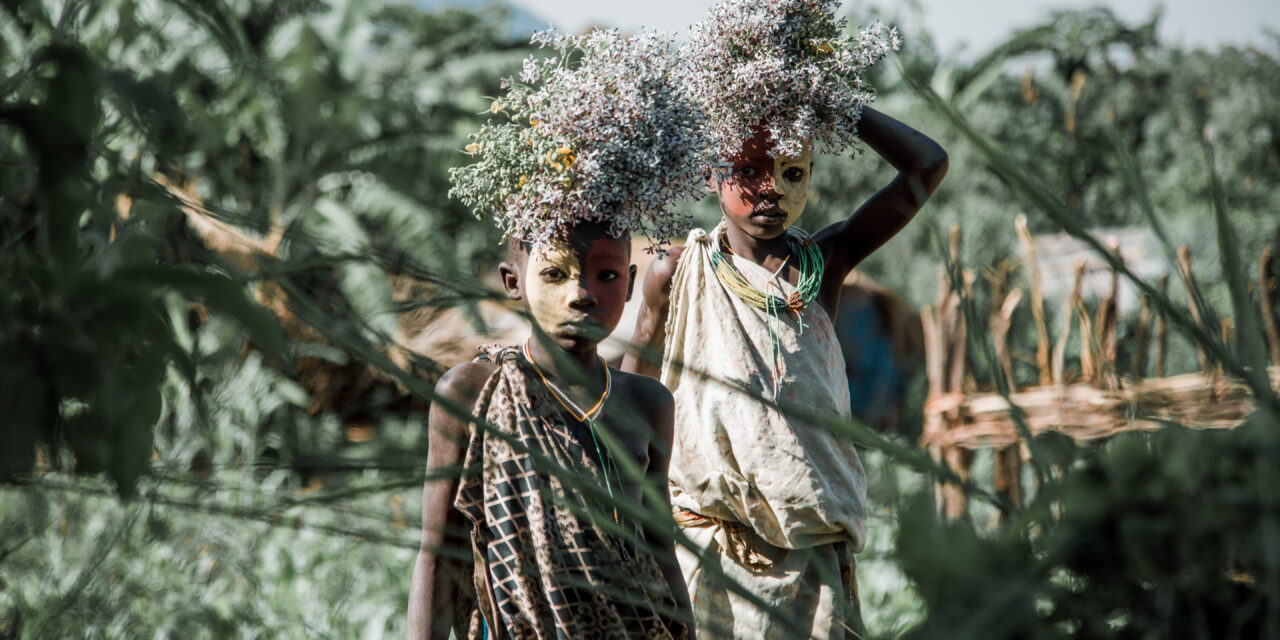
771, 215
585, 322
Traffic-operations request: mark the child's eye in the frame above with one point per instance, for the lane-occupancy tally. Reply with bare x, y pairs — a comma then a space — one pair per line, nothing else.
552, 275
794, 174
609, 276
747, 172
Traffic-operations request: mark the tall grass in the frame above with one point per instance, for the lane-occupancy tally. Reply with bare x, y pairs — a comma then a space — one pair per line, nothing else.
254, 517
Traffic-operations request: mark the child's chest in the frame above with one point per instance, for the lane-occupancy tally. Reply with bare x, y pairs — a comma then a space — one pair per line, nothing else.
613, 446
603, 437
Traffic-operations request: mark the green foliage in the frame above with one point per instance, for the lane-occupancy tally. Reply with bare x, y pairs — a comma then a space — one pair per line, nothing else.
1164, 536
1067, 100
129, 347
221, 557
1159, 535
307, 120
132, 348
84, 341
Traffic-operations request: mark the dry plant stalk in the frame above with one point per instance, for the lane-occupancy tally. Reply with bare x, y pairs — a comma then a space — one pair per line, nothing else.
1162, 330
1193, 300
1141, 338
1267, 285
958, 421
1037, 300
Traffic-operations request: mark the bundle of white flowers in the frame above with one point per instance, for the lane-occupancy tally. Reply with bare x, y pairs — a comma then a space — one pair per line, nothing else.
786, 65
599, 132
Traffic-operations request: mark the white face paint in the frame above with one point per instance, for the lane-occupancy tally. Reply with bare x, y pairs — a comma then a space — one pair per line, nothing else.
577, 297
763, 195
791, 179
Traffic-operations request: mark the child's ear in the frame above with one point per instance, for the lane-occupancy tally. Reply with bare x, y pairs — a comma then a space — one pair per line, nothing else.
510, 277
631, 281
709, 178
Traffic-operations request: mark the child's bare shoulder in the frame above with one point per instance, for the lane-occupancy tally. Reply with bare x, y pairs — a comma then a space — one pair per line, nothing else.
645, 395
657, 281
465, 381
455, 399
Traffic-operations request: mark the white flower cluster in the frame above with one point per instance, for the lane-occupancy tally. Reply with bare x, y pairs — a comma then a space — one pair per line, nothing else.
600, 132
785, 65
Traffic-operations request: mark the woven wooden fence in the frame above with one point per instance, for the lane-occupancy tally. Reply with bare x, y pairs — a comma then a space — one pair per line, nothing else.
1099, 400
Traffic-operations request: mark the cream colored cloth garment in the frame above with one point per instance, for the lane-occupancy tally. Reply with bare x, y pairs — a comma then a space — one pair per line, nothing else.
794, 485
814, 589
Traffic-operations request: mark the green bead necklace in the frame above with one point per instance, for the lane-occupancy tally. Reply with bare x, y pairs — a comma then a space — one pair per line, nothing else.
809, 261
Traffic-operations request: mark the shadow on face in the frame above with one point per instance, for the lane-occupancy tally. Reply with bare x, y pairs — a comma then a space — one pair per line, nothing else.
760, 194
575, 289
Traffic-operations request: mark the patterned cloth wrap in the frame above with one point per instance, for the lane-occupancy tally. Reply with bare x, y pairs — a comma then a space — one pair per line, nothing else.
541, 570
776, 501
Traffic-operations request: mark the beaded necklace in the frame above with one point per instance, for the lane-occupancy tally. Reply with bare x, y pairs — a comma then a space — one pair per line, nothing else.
811, 264
587, 416
808, 258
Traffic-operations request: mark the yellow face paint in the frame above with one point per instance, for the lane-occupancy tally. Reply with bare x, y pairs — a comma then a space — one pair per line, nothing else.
551, 285
763, 195
791, 180
577, 297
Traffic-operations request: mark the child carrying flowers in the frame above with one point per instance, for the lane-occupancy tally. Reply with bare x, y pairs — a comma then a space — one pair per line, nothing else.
773, 501
555, 484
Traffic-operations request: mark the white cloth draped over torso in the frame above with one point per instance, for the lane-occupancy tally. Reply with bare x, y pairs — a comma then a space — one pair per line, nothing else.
735, 458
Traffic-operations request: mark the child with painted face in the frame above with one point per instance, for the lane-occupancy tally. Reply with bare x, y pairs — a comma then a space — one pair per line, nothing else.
774, 501
546, 467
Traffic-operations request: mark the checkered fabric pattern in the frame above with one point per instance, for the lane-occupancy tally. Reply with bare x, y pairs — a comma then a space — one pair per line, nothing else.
553, 571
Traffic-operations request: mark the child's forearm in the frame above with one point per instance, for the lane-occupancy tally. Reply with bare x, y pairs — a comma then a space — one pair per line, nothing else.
675, 580
424, 600
645, 355
905, 148
435, 579
921, 165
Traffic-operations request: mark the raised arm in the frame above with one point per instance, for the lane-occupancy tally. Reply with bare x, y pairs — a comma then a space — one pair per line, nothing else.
437, 578
921, 165
650, 334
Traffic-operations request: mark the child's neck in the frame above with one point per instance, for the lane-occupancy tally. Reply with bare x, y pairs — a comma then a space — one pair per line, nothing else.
571, 367
762, 251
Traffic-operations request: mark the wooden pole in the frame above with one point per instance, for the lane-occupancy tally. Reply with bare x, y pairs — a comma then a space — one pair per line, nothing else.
954, 502
1193, 301
1060, 348
1001, 323
1266, 285
1037, 299
1162, 330
1008, 464
1228, 337
1141, 338
1105, 332
1090, 354
935, 354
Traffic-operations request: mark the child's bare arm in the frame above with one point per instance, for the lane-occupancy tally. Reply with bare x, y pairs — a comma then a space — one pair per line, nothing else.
662, 421
436, 577
651, 323
921, 165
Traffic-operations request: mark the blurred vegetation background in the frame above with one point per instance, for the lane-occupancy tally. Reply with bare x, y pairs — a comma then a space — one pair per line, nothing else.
225, 233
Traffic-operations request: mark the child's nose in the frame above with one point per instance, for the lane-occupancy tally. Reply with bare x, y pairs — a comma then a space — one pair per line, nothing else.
582, 297
769, 189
